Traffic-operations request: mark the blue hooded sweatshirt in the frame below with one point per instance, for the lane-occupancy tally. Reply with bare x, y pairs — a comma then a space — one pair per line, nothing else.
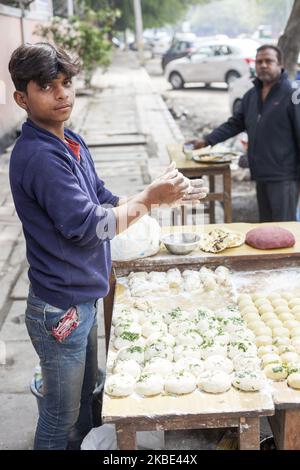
66, 215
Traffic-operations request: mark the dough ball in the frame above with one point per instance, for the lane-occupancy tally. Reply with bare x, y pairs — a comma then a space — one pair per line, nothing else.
246, 347
287, 296
270, 359
166, 338
132, 352
244, 297
186, 351
129, 367
296, 309
211, 348
159, 365
258, 296
281, 309
125, 316
263, 340
280, 303
261, 302
217, 362
177, 327
249, 317
264, 331
248, 309
255, 326
281, 331
110, 362
289, 357
180, 383
153, 326
131, 327
189, 364
281, 341
269, 349
158, 349
293, 380
290, 324
294, 302
265, 308
189, 338
149, 385
119, 385
127, 339
176, 314
285, 348
293, 367
242, 335
222, 338
268, 316
297, 316
174, 278
274, 323
284, 317
274, 296
295, 331
276, 372
249, 380
246, 362
214, 381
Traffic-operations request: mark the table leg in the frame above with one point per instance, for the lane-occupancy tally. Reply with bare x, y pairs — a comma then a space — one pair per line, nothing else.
249, 434
108, 303
126, 437
211, 203
285, 425
227, 197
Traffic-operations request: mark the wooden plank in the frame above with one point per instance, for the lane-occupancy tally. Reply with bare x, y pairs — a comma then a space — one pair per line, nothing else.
249, 434
285, 425
285, 397
240, 258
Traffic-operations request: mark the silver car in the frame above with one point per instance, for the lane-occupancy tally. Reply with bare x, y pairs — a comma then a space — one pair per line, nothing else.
214, 61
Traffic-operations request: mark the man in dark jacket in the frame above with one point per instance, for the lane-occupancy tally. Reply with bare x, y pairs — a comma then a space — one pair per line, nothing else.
272, 119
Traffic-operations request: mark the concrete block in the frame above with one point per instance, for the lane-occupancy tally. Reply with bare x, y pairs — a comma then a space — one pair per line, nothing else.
14, 328
19, 416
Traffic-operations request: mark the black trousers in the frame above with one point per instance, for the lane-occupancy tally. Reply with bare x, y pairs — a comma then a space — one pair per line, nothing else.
277, 201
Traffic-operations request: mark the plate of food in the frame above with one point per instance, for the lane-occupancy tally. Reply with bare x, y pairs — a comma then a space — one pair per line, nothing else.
217, 240
225, 158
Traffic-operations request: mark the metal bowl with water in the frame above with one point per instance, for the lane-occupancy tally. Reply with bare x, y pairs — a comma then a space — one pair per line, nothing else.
181, 243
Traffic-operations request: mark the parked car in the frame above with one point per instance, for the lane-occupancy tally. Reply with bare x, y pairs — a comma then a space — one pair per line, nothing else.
179, 48
214, 61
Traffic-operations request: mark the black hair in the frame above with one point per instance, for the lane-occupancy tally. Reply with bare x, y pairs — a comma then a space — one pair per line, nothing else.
275, 48
40, 62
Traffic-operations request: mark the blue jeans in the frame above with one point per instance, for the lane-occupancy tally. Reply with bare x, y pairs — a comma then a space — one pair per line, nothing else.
69, 371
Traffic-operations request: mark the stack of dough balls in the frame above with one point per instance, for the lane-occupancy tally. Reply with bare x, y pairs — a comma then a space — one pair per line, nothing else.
180, 351
275, 320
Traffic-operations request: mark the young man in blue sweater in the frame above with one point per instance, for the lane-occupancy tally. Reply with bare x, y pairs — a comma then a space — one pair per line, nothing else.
68, 219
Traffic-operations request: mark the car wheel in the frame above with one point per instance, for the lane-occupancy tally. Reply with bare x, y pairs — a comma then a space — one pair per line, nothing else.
236, 105
231, 76
176, 80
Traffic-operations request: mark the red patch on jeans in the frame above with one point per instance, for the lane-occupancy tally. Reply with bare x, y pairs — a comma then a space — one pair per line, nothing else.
67, 323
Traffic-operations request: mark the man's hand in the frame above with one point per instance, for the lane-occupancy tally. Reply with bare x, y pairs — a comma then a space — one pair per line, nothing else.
169, 188
195, 192
198, 144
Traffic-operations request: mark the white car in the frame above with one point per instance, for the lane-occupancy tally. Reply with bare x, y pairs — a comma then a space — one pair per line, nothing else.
214, 61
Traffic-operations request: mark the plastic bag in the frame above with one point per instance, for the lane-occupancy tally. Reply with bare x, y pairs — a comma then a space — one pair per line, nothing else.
140, 240
104, 438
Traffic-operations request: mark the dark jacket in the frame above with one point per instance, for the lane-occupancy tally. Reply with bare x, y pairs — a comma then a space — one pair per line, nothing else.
67, 230
273, 128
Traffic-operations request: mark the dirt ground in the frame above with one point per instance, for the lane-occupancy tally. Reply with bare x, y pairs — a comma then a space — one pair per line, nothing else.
198, 110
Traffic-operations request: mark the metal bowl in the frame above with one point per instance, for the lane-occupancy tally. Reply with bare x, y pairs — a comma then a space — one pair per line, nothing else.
181, 243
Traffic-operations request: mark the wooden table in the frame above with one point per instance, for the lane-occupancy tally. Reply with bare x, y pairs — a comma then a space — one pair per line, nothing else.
286, 421
198, 410
192, 169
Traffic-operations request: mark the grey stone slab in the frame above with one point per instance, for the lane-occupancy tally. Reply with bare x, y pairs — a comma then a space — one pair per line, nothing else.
10, 234
5, 250
101, 331
21, 360
101, 353
20, 291
7, 280
19, 253
14, 328
19, 416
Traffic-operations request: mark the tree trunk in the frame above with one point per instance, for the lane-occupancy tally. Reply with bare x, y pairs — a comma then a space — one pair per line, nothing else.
289, 42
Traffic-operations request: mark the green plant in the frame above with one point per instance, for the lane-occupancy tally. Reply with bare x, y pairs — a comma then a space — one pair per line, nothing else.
88, 38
